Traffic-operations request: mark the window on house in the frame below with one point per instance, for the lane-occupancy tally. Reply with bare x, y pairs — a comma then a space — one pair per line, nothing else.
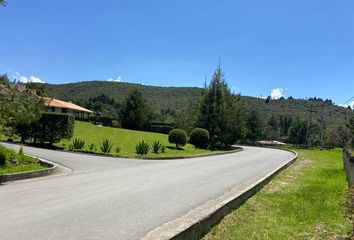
63, 110
53, 109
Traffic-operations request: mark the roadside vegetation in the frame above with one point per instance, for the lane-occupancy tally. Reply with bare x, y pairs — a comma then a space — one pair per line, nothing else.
302, 202
13, 162
93, 136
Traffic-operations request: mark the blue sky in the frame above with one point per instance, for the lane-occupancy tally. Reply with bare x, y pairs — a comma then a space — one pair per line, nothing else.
305, 48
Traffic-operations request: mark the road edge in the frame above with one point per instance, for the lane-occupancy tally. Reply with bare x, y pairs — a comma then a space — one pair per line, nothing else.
53, 169
199, 221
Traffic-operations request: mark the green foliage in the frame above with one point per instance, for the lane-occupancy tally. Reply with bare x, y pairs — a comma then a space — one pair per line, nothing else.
52, 127
163, 149
21, 153
18, 109
273, 127
142, 148
92, 147
350, 126
178, 137
199, 138
254, 127
77, 144
305, 132
3, 156
156, 146
135, 113
117, 149
161, 127
13, 162
220, 114
106, 146
177, 99
104, 105
187, 117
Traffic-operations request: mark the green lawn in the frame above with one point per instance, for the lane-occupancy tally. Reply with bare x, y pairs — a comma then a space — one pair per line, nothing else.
17, 165
302, 202
127, 139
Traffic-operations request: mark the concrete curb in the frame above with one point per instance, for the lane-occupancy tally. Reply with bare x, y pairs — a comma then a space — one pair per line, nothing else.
199, 221
53, 168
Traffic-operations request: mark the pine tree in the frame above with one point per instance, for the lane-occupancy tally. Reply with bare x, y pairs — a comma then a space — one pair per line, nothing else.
219, 113
254, 127
135, 113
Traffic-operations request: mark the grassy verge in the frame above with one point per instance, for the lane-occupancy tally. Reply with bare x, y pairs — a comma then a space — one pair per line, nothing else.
127, 140
15, 164
302, 202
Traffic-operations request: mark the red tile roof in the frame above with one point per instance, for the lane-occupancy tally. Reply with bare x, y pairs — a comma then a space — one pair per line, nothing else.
52, 102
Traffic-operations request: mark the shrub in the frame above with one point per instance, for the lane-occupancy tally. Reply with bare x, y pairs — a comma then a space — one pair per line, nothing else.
199, 138
3, 156
77, 144
21, 154
92, 147
156, 146
117, 149
163, 148
178, 137
52, 127
142, 148
106, 146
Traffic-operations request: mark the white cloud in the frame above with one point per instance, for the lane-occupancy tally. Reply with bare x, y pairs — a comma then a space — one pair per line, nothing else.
118, 79
277, 93
346, 105
24, 79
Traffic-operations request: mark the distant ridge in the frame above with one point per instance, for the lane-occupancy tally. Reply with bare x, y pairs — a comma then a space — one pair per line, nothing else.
178, 97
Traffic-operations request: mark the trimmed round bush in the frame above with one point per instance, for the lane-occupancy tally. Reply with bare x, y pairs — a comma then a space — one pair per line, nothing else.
200, 138
178, 137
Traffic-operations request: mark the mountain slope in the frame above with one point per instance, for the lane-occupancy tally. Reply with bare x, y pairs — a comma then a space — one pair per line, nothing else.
163, 98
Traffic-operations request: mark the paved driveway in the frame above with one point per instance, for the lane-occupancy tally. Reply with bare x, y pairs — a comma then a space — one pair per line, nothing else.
111, 198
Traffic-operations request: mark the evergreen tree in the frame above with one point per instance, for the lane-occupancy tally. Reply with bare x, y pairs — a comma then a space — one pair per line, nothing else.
135, 113
273, 127
219, 113
254, 127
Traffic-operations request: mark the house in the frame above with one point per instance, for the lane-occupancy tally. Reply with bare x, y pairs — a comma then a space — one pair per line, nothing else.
58, 106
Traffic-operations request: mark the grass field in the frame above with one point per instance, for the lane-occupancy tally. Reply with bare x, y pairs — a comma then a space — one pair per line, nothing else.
17, 165
127, 139
302, 202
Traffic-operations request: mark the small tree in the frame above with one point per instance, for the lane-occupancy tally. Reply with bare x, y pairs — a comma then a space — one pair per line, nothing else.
254, 127
199, 138
135, 113
178, 137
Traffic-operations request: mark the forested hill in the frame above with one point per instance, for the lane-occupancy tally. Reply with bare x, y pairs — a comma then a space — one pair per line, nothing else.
175, 98
158, 97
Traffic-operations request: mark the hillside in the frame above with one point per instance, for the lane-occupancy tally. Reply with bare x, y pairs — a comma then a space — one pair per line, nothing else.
175, 98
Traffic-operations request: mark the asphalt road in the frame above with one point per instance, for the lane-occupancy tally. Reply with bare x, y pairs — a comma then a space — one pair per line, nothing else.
110, 198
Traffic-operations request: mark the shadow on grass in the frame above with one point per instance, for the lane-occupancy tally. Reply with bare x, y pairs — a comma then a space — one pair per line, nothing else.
174, 148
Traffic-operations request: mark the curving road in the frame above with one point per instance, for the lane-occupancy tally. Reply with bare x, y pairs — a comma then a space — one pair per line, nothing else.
110, 198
